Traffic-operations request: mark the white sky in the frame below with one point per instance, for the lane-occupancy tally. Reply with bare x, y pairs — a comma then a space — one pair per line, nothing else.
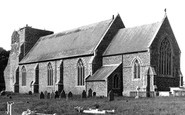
60, 15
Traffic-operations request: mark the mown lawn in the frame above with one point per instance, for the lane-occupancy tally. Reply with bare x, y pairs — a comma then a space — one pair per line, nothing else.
121, 105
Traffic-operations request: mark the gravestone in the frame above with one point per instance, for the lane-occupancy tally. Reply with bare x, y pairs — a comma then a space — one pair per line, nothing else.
52, 95
2, 93
56, 94
45, 94
94, 94
83, 94
90, 92
111, 95
30, 92
48, 96
137, 93
41, 95
70, 95
63, 94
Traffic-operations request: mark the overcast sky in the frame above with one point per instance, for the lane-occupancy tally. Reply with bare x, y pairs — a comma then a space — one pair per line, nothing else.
60, 15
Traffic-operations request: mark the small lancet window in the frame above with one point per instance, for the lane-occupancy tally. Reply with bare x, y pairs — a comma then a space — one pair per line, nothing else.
136, 70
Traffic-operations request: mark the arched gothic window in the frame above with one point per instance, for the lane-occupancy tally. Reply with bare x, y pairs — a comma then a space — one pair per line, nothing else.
136, 69
23, 76
81, 73
50, 74
116, 81
165, 58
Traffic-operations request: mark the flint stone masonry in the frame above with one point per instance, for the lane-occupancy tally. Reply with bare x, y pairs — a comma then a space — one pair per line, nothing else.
104, 54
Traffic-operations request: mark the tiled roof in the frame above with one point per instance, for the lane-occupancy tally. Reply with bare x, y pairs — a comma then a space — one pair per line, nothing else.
102, 73
80, 41
133, 39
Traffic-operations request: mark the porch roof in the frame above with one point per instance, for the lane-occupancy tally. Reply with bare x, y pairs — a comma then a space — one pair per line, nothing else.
102, 74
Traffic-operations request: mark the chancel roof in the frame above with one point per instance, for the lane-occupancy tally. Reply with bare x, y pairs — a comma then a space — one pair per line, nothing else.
134, 39
77, 42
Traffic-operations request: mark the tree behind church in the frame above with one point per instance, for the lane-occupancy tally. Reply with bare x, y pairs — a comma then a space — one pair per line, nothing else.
3, 62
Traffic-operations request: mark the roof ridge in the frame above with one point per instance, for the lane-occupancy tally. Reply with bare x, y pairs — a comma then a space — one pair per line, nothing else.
141, 25
74, 30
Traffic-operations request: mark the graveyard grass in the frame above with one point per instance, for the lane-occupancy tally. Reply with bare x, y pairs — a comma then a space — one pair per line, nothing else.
121, 105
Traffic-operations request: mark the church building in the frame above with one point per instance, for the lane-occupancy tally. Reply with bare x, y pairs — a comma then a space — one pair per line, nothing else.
102, 56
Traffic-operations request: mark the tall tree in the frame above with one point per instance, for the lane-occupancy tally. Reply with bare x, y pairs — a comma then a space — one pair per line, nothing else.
3, 62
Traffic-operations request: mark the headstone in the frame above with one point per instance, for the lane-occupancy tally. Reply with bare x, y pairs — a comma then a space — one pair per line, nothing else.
41, 95
137, 93
111, 95
63, 94
83, 94
94, 94
45, 94
70, 95
96, 106
90, 92
52, 95
48, 96
2, 93
30, 92
56, 94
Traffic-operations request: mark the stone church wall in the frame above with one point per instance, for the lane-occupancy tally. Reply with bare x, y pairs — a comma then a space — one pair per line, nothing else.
30, 77
9, 73
112, 60
100, 87
129, 83
69, 75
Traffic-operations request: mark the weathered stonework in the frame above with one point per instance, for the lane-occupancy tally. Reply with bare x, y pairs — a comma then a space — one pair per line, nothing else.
69, 74
112, 60
22, 41
99, 87
93, 60
129, 83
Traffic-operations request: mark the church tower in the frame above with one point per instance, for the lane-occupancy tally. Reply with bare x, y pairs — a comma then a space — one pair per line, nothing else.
21, 43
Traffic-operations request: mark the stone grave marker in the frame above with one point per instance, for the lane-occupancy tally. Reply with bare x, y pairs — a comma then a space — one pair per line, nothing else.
84, 94
56, 94
70, 95
41, 95
45, 94
111, 95
90, 92
48, 96
52, 96
63, 94
94, 94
